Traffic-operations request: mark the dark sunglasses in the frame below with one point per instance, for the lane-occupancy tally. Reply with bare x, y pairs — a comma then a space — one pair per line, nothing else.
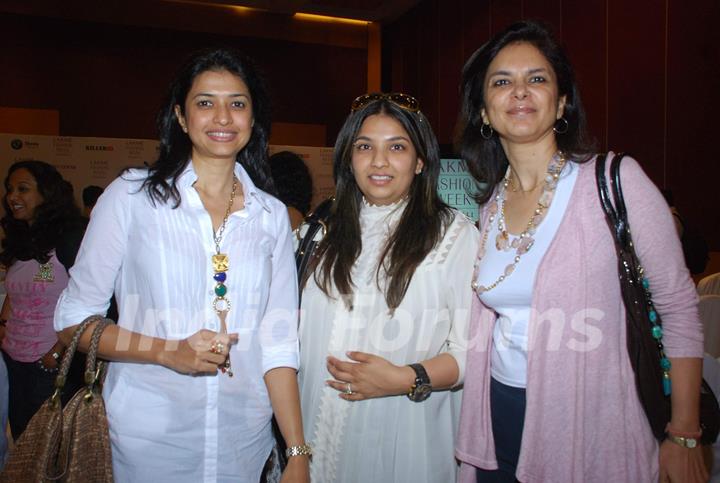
399, 99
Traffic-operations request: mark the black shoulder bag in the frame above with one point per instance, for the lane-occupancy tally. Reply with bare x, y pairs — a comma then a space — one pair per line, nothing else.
644, 327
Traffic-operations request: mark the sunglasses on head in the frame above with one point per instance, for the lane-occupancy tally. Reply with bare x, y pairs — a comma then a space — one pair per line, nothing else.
399, 99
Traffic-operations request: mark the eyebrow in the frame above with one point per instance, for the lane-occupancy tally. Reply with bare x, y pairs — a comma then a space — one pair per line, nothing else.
529, 72
208, 94
394, 138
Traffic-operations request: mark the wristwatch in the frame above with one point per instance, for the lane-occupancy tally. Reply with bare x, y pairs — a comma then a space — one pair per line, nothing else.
421, 389
300, 450
682, 441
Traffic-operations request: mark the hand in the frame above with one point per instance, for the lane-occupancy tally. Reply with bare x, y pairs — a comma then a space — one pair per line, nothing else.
297, 470
201, 353
681, 465
369, 376
48, 361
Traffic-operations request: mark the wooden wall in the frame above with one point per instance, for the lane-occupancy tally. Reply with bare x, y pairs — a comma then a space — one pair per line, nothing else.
648, 72
109, 79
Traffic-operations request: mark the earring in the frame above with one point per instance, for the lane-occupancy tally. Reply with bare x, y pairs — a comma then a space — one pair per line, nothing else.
484, 131
564, 126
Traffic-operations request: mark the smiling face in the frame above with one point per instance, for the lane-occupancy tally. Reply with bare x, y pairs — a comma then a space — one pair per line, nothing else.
218, 115
23, 196
384, 160
521, 95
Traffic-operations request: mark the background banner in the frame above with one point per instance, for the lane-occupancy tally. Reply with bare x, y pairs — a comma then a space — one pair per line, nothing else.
97, 161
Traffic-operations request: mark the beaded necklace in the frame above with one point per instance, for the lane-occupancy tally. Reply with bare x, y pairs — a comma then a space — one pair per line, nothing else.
220, 262
525, 241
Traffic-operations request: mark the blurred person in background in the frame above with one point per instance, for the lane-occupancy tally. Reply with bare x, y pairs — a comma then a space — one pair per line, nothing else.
43, 230
293, 184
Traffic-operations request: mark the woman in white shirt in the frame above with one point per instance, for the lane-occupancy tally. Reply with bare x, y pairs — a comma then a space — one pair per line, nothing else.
199, 257
385, 306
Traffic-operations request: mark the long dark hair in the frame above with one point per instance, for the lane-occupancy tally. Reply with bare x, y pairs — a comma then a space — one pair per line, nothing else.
175, 145
485, 158
56, 214
422, 224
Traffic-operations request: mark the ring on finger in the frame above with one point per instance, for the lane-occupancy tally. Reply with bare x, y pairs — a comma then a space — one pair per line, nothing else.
349, 390
217, 347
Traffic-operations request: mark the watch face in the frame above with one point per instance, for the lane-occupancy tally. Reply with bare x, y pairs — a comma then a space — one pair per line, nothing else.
422, 392
690, 442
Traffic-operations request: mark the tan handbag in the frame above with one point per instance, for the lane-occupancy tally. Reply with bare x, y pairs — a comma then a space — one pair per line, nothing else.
70, 444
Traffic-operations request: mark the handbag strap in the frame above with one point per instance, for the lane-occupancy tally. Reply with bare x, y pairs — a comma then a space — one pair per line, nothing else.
307, 232
68, 356
616, 212
93, 371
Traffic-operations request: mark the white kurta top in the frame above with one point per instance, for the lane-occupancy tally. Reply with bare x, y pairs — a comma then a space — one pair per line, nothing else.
390, 439
164, 426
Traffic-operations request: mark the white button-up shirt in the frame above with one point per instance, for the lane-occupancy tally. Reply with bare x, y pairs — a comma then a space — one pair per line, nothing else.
165, 426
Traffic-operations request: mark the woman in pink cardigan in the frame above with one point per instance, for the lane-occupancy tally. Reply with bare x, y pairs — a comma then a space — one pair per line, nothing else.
549, 390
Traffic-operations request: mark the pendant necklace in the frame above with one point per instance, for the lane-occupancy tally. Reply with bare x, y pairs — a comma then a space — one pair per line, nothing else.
525, 241
45, 272
220, 263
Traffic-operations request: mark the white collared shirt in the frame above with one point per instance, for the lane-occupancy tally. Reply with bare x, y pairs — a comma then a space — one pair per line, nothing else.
164, 426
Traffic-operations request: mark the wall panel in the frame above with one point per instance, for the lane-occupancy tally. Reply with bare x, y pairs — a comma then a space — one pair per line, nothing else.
647, 71
109, 80
636, 81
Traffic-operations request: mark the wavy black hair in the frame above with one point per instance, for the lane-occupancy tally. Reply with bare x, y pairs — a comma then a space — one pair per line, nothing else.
57, 214
422, 224
292, 180
485, 158
175, 145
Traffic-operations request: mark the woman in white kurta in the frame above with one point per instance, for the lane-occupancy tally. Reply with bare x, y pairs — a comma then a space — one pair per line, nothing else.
362, 411
204, 352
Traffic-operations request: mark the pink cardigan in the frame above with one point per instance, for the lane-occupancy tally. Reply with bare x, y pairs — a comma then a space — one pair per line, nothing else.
583, 421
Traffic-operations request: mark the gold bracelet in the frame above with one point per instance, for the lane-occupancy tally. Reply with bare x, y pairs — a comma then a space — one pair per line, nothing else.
300, 450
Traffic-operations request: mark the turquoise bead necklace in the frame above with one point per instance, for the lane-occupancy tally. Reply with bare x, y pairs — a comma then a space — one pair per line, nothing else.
221, 264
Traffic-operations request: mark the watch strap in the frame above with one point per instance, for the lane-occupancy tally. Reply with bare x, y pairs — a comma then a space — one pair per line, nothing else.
299, 450
421, 375
682, 441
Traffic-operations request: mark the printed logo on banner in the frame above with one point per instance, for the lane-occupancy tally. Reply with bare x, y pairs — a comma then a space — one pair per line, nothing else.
63, 146
456, 187
18, 144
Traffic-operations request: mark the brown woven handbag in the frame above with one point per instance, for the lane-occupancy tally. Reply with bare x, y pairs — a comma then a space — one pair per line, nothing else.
70, 444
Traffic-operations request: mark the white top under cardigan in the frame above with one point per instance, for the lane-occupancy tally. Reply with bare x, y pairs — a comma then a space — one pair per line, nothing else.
512, 298
164, 426
389, 439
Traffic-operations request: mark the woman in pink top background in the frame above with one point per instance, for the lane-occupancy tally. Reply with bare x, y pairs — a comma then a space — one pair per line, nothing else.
43, 230
549, 390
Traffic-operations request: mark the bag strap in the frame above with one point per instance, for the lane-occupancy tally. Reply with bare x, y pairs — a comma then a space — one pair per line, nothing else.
68, 356
616, 213
307, 235
93, 371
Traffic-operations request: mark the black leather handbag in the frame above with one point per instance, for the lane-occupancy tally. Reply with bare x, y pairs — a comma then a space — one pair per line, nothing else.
645, 350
